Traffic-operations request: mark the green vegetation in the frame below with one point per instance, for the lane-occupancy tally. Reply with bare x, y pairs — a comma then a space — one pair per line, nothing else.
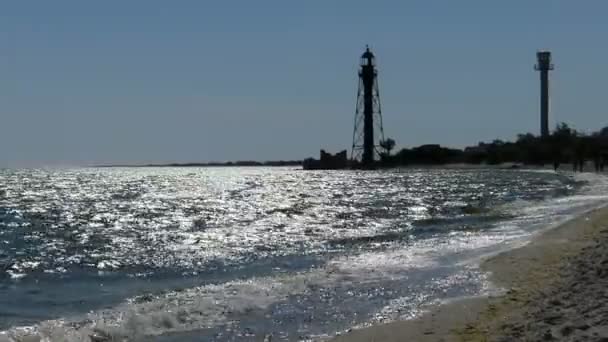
564, 145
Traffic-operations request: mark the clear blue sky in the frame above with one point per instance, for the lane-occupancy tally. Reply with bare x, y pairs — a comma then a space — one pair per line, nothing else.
159, 81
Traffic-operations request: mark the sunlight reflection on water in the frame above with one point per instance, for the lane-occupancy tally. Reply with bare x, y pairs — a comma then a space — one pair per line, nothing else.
210, 246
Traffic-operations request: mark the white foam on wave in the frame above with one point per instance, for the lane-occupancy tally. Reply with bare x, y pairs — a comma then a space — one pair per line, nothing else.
531, 218
194, 308
592, 194
534, 217
211, 305
208, 306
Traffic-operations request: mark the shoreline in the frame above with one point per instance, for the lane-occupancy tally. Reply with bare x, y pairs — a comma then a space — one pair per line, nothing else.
536, 280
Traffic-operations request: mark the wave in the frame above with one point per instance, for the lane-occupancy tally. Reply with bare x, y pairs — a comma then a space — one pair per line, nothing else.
426, 248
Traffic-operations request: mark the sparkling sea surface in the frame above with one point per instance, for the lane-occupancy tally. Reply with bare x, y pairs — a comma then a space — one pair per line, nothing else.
239, 254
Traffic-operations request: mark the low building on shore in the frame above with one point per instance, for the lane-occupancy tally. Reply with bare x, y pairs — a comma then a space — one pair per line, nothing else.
327, 161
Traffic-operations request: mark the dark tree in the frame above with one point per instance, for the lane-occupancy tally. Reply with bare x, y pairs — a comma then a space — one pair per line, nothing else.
387, 145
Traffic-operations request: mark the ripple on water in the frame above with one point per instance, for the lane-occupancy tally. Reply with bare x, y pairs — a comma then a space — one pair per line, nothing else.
386, 242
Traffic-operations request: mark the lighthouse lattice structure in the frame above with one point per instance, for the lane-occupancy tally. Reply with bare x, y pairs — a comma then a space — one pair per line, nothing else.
368, 132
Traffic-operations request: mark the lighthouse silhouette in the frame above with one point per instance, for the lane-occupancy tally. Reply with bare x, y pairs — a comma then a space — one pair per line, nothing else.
368, 131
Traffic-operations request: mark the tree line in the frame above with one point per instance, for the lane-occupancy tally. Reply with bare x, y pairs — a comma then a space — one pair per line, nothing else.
563, 145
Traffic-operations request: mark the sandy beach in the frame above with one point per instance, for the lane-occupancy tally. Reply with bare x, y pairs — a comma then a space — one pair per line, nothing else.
555, 289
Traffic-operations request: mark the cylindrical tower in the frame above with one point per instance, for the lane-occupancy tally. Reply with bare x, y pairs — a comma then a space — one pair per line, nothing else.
544, 66
368, 78
368, 113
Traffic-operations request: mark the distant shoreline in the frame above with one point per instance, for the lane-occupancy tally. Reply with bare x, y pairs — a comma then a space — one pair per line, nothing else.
502, 166
210, 164
299, 163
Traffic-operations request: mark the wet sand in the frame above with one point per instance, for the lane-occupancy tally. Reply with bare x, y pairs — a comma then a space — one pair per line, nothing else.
555, 289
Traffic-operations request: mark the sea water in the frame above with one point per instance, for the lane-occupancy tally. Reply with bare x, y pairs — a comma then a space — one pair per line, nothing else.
243, 254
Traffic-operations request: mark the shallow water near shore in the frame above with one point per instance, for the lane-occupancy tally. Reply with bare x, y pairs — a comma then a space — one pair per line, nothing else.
224, 254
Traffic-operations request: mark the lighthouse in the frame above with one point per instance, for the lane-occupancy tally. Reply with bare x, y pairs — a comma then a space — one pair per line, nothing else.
368, 131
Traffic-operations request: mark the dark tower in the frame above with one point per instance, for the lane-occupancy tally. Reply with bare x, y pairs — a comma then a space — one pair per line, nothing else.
367, 114
544, 65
